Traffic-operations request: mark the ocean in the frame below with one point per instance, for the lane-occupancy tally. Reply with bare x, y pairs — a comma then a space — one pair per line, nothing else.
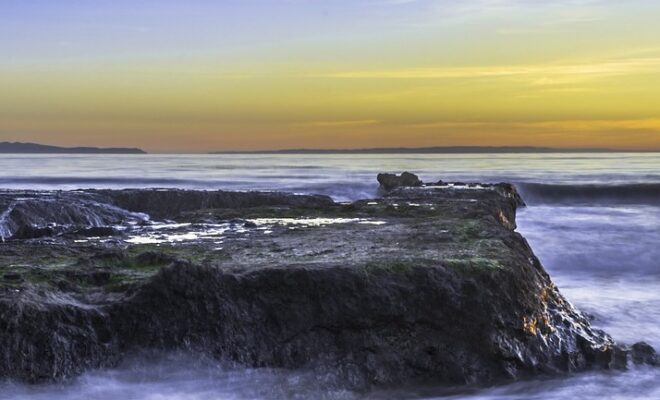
592, 218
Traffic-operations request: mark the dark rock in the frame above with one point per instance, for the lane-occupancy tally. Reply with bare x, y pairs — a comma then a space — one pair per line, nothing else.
51, 338
172, 203
97, 231
65, 285
392, 181
426, 284
109, 256
618, 357
10, 276
388, 327
510, 191
29, 215
100, 278
644, 353
32, 232
154, 258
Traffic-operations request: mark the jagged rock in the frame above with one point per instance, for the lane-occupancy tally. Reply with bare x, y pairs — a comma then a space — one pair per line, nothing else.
393, 181
47, 337
429, 284
29, 215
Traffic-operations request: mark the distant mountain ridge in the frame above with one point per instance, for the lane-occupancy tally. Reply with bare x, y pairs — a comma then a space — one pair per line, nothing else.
34, 148
427, 150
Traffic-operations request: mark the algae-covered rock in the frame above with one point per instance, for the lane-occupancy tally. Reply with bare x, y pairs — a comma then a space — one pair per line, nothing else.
427, 284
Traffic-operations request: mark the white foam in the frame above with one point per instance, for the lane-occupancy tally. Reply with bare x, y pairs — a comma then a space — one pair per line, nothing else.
311, 222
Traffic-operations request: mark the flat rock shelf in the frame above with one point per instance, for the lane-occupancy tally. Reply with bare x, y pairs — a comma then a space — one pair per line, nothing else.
424, 284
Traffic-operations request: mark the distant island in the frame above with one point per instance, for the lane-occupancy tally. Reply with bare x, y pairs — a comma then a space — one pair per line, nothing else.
34, 148
427, 150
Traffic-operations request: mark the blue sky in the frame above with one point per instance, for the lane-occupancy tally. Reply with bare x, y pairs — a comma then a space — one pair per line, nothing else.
274, 73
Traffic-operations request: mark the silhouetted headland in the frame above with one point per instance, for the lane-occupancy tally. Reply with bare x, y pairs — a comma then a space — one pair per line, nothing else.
428, 150
34, 148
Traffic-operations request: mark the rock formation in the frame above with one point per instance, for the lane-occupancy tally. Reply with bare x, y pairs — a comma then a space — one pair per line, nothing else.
427, 284
392, 181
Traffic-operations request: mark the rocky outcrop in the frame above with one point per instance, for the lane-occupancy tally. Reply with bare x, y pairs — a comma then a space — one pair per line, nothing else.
51, 336
28, 215
392, 181
172, 203
426, 284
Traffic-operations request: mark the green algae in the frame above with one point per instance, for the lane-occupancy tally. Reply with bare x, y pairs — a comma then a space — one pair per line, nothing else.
473, 264
468, 231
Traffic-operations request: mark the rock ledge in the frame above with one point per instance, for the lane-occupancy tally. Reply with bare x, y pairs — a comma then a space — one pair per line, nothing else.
427, 284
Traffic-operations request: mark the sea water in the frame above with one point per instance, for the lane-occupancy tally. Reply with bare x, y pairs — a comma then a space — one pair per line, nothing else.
592, 218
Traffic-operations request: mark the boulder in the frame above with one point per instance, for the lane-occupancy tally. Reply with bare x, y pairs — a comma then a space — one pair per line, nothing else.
392, 181
644, 353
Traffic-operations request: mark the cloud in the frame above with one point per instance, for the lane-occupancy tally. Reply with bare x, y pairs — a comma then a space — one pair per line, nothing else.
646, 124
541, 75
540, 72
489, 7
336, 124
552, 26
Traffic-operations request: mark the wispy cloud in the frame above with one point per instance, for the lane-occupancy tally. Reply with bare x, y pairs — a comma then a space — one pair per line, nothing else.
488, 7
551, 26
542, 74
337, 124
646, 124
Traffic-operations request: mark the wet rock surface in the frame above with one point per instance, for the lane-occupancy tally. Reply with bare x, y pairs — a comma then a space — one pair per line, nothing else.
27, 215
425, 284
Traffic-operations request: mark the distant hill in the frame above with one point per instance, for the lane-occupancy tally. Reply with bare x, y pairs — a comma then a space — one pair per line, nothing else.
33, 148
427, 150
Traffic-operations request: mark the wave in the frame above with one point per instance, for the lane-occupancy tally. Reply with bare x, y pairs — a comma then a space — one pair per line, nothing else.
92, 180
342, 189
591, 194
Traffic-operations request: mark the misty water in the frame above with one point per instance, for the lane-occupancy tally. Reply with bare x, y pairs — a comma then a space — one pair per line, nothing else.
593, 220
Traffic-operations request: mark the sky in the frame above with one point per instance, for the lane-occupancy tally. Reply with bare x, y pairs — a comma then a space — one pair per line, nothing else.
201, 75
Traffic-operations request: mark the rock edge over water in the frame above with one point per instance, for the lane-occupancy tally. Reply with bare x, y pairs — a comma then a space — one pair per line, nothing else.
427, 283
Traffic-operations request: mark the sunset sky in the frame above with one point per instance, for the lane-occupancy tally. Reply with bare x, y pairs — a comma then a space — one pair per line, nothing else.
202, 75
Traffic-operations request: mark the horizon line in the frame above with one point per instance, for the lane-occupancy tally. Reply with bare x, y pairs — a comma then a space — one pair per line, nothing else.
475, 149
